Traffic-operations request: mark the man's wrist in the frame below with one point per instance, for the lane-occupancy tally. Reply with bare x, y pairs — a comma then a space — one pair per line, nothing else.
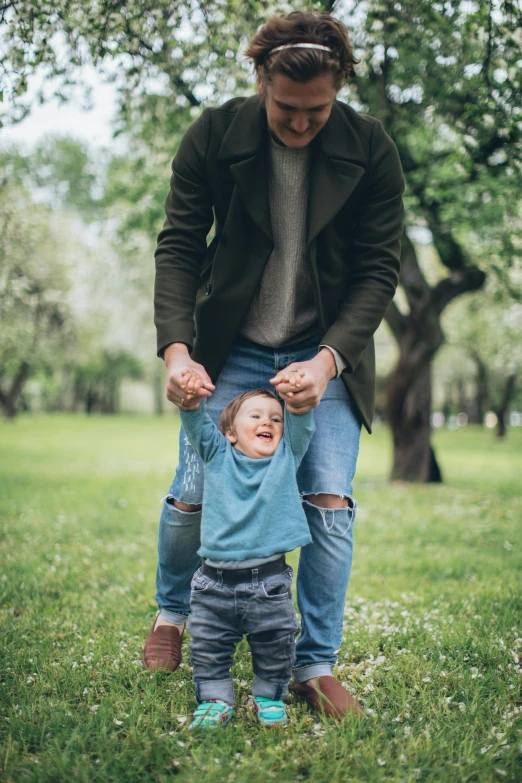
328, 360
175, 351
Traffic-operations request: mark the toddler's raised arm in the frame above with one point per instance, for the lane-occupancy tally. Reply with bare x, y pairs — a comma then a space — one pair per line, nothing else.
299, 428
202, 433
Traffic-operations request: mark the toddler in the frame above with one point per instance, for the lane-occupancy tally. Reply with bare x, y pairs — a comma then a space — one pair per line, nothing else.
252, 515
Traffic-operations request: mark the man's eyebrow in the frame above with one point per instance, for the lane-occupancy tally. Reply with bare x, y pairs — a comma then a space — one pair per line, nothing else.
284, 105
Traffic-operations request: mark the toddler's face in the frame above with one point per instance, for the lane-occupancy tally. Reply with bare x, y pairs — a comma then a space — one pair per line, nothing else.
258, 427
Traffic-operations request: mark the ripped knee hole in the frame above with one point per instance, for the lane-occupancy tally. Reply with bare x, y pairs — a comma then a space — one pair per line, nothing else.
327, 501
187, 507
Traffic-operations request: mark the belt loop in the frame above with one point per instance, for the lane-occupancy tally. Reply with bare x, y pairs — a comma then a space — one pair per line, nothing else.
219, 577
255, 579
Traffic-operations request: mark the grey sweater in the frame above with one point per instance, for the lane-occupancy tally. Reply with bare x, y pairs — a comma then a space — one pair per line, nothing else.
283, 309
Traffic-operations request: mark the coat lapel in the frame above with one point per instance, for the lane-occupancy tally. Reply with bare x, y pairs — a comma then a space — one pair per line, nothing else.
244, 147
338, 164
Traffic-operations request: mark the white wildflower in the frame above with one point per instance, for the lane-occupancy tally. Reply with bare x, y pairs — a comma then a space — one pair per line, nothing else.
95, 707
181, 718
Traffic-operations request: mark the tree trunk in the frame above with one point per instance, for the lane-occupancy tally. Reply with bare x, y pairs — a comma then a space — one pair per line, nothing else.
482, 388
413, 456
501, 410
9, 399
419, 335
90, 401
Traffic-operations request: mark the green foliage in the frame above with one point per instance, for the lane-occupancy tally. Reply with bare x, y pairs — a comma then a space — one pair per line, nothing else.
490, 330
97, 381
60, 170
486, 347
35, 325
432, 625
445, 79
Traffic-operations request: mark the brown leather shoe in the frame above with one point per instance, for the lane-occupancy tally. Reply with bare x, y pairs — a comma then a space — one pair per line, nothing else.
163, 648
330, 697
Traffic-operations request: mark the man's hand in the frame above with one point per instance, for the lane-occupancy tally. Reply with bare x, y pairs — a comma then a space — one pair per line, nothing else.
187, 381
302, 384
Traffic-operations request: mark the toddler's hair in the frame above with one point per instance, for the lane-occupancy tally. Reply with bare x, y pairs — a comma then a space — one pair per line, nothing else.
226, 422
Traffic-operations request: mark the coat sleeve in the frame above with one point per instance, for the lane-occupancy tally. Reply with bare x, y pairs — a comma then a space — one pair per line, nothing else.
375, 253
182, 241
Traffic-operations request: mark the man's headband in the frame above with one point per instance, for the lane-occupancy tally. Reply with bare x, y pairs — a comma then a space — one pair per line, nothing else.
301, 46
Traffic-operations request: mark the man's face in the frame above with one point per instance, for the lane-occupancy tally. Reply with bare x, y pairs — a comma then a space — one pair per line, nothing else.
296, 111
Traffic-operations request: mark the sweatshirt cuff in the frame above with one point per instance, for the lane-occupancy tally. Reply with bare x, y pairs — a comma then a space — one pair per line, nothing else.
339, 361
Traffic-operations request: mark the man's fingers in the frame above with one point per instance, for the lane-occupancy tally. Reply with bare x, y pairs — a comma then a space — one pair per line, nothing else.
300, 400
281, 375
175, 393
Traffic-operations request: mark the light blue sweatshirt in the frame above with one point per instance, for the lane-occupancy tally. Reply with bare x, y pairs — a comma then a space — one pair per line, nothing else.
251, 507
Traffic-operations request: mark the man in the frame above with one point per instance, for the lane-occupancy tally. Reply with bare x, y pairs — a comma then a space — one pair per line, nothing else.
306, 196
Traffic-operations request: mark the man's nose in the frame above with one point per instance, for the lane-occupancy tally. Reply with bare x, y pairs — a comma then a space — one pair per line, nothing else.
300, 123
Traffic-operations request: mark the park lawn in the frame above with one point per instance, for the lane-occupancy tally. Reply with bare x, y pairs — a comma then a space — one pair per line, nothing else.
433, 631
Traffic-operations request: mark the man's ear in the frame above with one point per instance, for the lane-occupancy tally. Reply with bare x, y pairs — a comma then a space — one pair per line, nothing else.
259, 81
231, 436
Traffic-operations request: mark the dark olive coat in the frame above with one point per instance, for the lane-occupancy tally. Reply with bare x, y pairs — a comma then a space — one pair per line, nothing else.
354, 227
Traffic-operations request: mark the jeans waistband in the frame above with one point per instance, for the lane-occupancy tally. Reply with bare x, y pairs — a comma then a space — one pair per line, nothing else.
237, 576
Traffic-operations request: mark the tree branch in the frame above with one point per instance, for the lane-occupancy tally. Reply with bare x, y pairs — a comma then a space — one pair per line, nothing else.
412, 280
460, 281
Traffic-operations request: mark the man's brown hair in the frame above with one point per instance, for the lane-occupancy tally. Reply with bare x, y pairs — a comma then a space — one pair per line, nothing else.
303, 65
226, 422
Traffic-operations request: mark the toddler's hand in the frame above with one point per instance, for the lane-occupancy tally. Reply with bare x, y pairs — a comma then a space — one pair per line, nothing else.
293, 381
191, 382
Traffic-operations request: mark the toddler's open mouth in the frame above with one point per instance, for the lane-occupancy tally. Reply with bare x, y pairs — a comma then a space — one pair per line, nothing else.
265, 435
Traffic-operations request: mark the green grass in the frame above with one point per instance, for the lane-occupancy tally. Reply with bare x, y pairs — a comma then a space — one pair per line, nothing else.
431, 646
